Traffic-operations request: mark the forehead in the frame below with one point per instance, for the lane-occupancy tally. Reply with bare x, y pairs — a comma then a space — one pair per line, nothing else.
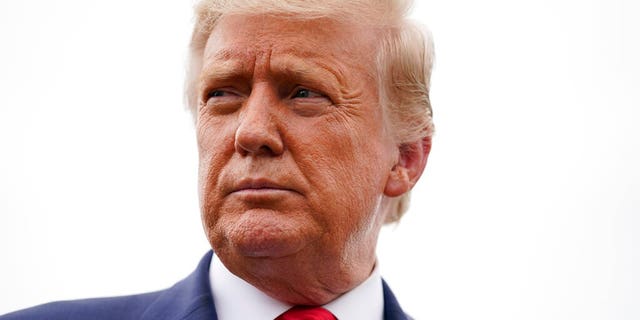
235, 36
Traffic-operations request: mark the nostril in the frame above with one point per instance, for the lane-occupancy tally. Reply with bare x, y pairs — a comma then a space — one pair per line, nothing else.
266, 150
258, 141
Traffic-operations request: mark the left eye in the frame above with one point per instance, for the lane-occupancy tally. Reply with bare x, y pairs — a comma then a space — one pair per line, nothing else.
306, 93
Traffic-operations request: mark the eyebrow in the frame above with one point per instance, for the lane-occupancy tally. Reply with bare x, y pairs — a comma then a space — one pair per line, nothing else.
303, 68
309, 66
221, 69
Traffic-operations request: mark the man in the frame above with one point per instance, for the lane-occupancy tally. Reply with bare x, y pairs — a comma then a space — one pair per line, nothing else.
313, 124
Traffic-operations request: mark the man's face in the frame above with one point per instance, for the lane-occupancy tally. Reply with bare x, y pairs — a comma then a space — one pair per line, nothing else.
294, 154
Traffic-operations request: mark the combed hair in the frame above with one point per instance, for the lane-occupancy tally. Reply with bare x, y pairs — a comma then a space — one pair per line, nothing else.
404, 58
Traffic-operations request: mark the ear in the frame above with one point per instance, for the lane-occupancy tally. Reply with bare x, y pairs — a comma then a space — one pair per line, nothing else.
406, 172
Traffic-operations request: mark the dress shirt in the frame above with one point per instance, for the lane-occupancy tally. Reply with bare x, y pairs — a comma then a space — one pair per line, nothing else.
236, 299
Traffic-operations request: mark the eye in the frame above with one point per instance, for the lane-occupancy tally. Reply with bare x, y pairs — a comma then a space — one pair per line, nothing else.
222, 100
308, 102
221, 95
217, 93
306, 93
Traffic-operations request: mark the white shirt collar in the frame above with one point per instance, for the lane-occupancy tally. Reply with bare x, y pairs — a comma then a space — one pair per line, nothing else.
236, 299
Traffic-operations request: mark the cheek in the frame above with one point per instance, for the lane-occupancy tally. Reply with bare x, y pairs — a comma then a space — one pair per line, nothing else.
215, 147
215, 138
353, 149
344, 164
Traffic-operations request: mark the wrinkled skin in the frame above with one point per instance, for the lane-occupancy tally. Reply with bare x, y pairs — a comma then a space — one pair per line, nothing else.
296, 164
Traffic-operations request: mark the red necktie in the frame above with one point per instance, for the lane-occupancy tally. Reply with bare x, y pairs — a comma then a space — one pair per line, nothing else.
306, 313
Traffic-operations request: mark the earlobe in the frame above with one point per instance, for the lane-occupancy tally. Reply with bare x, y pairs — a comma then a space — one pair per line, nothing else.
411, 163
398, 182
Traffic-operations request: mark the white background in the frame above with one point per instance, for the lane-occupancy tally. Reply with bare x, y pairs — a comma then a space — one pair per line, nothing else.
528, 208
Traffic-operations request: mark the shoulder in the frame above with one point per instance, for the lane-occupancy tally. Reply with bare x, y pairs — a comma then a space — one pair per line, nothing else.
125, 307
190, 298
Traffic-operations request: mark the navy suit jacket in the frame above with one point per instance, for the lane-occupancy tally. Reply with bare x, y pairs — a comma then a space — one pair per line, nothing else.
189, 299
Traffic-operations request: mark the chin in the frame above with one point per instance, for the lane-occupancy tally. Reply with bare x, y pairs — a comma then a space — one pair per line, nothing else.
265, 233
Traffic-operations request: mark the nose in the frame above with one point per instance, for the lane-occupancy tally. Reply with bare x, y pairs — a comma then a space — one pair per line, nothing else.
258, 132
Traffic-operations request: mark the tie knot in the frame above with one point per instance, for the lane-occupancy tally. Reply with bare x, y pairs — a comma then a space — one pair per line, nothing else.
306, 313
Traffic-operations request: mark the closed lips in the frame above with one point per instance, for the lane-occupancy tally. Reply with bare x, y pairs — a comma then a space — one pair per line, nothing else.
258, 184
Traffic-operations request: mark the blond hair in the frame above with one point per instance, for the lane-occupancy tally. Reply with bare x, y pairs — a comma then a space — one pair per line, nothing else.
404, 58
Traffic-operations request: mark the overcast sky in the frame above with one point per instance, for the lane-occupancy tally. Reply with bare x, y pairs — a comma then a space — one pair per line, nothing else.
529, 207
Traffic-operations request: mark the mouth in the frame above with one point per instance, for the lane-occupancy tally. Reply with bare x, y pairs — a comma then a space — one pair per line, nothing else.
260, 186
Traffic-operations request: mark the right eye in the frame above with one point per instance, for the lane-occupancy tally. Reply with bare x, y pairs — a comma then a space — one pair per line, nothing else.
217, 93
222, 100
221, 95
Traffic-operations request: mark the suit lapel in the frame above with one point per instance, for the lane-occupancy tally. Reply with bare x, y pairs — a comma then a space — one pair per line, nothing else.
392, 310
189, 299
